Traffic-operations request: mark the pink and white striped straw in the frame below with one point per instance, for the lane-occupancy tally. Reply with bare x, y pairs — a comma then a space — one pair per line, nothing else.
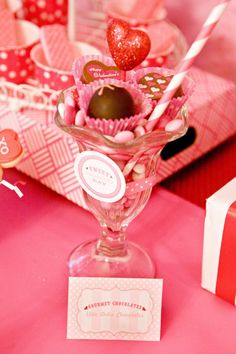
187, 62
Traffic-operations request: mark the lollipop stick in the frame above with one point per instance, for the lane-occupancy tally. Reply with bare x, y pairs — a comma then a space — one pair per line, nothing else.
184, 66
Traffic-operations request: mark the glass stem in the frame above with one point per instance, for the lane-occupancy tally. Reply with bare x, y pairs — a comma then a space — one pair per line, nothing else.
112, 243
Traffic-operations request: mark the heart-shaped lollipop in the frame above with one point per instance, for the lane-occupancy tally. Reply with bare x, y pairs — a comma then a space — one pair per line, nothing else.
128, 47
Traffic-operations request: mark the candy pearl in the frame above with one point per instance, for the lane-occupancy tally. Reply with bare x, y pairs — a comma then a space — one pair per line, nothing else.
138, 176
123, 137
139, 168
69, 100
139, 131
174, 125
61, 109
79, 119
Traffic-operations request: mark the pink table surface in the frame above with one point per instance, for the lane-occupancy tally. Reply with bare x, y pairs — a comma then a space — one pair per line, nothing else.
38, 232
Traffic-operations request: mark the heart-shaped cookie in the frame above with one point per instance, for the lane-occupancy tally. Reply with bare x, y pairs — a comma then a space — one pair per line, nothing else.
128, 47
10, 148
95, 70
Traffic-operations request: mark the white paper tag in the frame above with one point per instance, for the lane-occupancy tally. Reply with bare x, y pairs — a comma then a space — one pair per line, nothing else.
114, 308
99, 176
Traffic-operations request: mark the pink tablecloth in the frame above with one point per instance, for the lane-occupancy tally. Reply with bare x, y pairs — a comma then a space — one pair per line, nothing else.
39, 231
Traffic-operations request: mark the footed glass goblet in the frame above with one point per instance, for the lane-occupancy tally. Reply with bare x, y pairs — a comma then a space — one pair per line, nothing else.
117, 181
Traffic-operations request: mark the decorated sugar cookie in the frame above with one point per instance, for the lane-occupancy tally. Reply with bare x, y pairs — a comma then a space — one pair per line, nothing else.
11, 153
11, 150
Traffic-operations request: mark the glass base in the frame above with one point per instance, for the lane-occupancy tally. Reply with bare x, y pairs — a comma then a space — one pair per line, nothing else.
84, 262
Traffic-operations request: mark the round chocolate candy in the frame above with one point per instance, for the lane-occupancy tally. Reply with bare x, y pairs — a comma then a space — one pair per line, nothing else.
111, 102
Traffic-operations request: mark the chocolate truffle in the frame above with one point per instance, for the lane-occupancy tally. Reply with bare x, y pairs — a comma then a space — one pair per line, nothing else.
111, 102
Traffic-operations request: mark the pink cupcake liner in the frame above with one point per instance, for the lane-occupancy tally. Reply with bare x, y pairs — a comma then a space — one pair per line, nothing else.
142, 106
177, 102
78, 67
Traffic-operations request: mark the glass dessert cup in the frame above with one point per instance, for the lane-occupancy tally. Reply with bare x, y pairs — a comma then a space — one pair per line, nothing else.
112, 255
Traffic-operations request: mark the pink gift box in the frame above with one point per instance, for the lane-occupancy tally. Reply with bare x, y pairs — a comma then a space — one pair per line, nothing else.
50, 154
15, 62
219, 251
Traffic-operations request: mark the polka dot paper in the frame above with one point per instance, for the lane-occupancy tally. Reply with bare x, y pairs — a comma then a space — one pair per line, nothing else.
15, 63
45, 12
114, 309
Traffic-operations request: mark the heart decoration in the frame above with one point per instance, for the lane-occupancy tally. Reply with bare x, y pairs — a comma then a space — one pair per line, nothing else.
95, 70
128, 47
10, 148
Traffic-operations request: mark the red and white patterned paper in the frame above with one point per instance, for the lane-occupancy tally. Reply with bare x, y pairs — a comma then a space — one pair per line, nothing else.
15, 62
44, 12
7, 28
56, 47
50, 154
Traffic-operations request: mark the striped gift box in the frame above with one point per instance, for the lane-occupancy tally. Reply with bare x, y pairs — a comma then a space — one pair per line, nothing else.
50, 153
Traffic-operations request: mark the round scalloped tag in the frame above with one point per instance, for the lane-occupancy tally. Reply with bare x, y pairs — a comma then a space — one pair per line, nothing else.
99, 176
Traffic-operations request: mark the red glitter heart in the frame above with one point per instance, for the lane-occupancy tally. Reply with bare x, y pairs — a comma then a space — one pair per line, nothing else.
128, 47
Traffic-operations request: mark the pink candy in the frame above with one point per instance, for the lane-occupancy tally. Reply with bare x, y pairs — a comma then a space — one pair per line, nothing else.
69, 100
69, 114
70, 109
61, 109
79, 119
124, 136
139, 168
174, 125
139, 131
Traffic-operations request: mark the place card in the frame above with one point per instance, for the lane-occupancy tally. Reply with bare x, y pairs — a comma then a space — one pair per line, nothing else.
114, 308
